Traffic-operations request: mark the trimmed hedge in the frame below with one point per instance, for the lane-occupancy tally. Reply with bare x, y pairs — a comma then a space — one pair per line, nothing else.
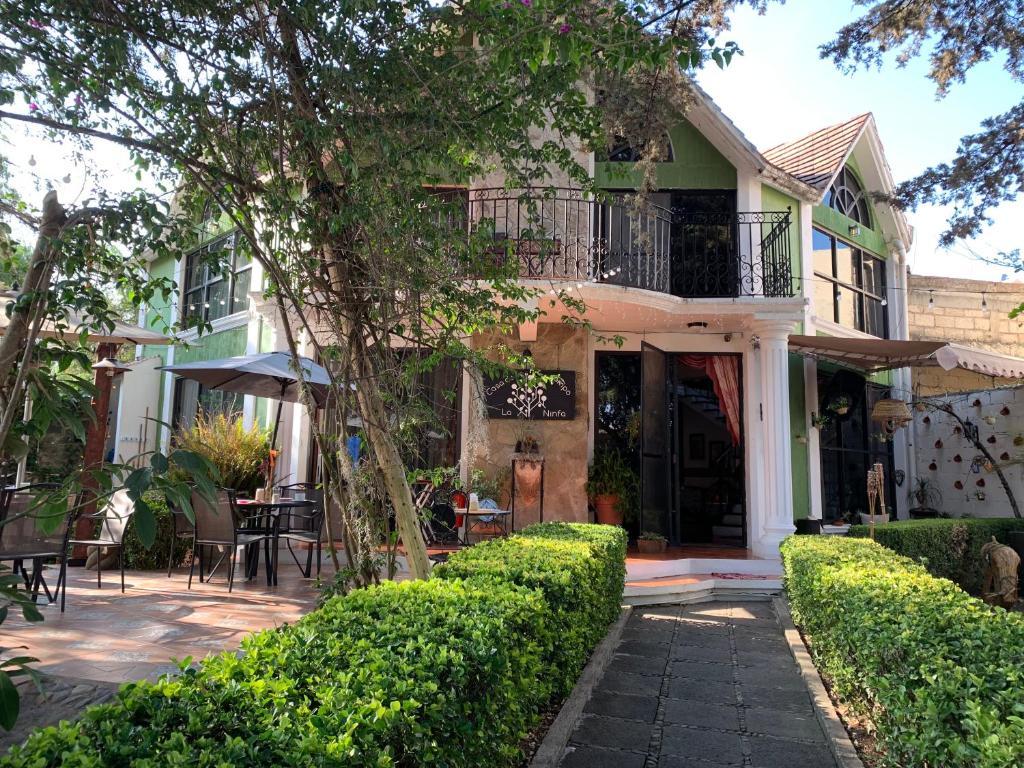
446, 672
951, 549
938, 671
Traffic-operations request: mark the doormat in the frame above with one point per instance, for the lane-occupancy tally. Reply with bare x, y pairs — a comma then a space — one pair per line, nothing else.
738, 576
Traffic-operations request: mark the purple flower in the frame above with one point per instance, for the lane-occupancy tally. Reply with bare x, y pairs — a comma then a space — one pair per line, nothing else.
36, 23
527, 3
565, 29
33, 107
78, 100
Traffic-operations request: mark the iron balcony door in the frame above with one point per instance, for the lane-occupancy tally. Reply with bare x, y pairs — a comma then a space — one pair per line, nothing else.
657, 467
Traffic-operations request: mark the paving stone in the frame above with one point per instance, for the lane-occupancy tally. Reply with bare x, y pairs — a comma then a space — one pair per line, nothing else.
701, 670
700, 690
785, 724
765, 658
637, 665
594, 757
628, 682
687, 635
782, 753
612, 732
645, 648
719, 716
789, 699
721, 654
779, 677
647, 635
675, 761
624, 705
725, 748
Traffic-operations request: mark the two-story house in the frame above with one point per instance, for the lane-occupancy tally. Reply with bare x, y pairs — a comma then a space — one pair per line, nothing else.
700, 362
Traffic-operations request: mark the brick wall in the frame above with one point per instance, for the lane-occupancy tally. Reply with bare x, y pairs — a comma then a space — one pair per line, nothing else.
957, 315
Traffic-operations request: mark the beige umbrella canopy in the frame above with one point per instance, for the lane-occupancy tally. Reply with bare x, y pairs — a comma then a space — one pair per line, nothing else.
122, 333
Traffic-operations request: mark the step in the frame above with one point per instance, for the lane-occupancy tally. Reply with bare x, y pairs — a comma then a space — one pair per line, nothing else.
699, 588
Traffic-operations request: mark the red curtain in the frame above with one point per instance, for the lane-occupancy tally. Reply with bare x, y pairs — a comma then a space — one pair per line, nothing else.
724, 372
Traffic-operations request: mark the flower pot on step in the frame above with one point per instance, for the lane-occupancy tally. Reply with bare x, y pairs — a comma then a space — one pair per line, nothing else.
606, 509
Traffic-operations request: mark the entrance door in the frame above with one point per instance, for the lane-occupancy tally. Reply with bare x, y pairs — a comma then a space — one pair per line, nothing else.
656, 443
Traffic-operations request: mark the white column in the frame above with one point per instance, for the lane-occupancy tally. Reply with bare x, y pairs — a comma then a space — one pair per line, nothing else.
777, 457
813, 439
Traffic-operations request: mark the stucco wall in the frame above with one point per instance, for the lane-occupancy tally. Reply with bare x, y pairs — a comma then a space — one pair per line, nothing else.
491, 442
957, 315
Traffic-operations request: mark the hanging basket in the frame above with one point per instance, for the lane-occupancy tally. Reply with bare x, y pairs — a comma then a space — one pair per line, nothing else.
892, 413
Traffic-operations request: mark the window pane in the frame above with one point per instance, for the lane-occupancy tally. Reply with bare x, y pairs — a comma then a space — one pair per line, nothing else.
845, 263
240, 292
822, 252
874, 275
849, 307
824, 294
217, 298
874, 317
193, 304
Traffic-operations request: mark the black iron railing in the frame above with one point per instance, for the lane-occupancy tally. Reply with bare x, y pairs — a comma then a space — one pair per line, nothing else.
563, 235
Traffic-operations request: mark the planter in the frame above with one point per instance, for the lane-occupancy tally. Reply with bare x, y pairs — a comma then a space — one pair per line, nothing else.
923, 513
651, 546
842, 411
606, 509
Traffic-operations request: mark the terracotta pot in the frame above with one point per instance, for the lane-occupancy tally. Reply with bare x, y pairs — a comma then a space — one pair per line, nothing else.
651, 546
607, 510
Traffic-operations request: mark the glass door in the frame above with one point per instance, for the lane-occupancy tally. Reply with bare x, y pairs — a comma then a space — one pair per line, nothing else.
656, 455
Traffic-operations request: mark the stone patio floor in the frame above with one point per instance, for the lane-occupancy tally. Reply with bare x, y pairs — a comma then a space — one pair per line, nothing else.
706, 685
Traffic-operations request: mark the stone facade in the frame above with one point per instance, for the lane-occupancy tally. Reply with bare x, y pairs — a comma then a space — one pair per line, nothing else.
957, 315
490, 443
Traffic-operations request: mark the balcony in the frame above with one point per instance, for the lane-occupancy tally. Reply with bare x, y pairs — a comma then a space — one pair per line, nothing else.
561, 235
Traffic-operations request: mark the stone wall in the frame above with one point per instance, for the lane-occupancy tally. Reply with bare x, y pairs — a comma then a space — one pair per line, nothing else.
957, 315
490, 443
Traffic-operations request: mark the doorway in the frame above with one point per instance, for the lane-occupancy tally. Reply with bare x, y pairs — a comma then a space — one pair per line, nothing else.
692, 473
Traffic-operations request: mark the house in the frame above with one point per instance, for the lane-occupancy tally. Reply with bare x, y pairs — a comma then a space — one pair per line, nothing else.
723, 318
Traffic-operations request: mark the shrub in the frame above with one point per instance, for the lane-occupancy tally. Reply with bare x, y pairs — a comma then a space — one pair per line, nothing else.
138, 557
240, 455
949, 549
446, 672
937, 670
580, 569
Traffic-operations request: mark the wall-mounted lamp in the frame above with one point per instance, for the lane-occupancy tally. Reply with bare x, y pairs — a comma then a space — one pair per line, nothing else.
111, 367
854, 230
755, 342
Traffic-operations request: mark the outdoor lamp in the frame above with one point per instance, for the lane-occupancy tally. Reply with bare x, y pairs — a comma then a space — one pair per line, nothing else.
111, 367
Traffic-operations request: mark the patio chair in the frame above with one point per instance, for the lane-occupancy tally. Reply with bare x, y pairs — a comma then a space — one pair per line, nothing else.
21, 540
303, 527
115, 515
183, 529
216, 526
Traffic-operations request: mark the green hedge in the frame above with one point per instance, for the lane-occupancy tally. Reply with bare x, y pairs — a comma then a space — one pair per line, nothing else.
939, 672
446, 672
951, 549
138, 556
579, 568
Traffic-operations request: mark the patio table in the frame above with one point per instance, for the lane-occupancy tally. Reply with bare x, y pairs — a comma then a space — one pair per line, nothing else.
480, 517
267, 516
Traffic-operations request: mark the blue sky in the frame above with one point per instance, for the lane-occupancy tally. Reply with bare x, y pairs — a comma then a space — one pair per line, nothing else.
780, 90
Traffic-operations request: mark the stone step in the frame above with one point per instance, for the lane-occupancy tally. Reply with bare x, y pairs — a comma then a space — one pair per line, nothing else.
700, 588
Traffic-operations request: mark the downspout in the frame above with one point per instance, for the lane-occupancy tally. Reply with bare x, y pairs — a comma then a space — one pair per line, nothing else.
901, 298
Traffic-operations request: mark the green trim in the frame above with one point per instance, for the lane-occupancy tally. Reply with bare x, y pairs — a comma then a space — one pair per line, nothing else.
696, 164
839, 225
800, 450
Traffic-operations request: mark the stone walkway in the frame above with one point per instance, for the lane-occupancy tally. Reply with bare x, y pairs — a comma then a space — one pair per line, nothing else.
701, 685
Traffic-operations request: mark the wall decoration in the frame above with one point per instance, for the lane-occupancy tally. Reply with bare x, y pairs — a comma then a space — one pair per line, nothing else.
958, 458
1005, 411
507, 398
959, 485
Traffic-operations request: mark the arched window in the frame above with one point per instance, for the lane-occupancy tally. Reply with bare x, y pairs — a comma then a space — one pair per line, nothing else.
847, 196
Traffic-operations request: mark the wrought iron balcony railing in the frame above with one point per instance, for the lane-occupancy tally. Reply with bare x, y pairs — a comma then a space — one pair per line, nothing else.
562, 235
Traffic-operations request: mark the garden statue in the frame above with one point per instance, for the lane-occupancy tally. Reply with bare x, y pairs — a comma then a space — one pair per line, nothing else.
1000, 583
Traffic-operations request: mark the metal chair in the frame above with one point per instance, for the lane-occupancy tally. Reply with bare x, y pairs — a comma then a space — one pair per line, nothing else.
216, 526
303, 527
183, 529
20, 540
115, 515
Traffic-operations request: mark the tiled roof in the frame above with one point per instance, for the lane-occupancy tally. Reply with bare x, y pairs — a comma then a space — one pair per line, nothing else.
816, 158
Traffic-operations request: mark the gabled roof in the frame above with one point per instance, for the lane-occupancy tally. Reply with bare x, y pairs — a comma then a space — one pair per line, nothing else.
816, 158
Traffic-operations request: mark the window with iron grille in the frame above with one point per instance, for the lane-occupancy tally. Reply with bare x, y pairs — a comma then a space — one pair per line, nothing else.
216, 280
849, 285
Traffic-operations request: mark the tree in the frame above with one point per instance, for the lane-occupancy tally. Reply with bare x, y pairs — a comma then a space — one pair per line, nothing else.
988, 167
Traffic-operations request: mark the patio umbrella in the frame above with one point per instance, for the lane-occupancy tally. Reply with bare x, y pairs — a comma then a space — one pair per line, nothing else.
269, 374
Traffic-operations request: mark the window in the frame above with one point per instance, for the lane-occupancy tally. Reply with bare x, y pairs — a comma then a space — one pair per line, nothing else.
849, 285
192, 398
209, 293
621, 151
847, 196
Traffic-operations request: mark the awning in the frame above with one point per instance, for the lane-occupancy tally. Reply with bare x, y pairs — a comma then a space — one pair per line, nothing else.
121, 333
871, 355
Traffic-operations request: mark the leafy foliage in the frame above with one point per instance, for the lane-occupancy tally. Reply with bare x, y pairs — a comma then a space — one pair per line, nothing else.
938, 671
239, 454
444, 672
988, 167
137, 556
949, 549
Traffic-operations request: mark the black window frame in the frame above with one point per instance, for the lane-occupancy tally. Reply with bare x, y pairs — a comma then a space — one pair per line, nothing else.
858, 287
201, 280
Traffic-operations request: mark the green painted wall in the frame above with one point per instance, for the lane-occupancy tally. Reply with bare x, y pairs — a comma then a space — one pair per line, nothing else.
869, 238
696, 165
220, 344
773, 200
798, 428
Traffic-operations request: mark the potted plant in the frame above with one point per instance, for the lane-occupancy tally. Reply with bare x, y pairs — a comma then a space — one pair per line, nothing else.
609, 481
650, 543
926, 496
840, 404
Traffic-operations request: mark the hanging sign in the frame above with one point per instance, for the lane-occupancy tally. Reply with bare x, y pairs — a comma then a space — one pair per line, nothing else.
507, 398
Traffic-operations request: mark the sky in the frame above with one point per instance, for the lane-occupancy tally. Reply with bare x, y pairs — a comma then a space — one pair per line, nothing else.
779, 90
